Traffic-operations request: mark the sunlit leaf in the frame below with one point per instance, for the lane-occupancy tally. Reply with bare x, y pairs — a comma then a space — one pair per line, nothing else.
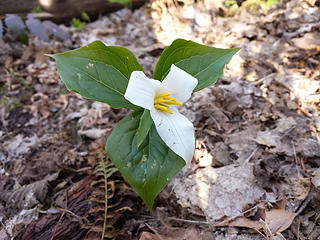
203, 62
98, 72
269, 3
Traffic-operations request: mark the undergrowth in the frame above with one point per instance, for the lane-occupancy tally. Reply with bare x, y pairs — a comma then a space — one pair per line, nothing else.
102, 191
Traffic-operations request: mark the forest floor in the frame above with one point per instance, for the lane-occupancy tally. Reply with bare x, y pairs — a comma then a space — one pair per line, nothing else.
256, 168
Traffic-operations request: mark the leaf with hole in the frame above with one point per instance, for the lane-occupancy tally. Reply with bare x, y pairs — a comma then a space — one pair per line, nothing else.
98, 72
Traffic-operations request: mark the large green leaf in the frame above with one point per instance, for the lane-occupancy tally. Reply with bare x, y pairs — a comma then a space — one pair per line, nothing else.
98, 72
149, 168
203, 62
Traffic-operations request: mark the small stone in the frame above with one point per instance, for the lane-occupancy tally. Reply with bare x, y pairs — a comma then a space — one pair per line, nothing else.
203, 19
189, 13
53, 109
316, 179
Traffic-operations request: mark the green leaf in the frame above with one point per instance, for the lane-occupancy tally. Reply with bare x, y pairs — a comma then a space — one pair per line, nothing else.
78, 24
203, 62
127, 3
229, 3
85, 16
37, 10
269, 3
149, 168
98, 72
144, 126
207, 68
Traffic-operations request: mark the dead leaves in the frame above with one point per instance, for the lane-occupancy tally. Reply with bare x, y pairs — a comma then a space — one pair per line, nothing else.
273, 138
278, 220
190, 233
20, 204
272, 222
26, 196
20, 145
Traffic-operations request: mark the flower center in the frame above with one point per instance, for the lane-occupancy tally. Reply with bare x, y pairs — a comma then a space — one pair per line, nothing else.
163, 102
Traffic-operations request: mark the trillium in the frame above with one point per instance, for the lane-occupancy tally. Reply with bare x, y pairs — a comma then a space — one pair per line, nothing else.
162, 99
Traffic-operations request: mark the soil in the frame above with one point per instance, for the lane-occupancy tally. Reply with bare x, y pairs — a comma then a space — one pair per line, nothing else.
255, 172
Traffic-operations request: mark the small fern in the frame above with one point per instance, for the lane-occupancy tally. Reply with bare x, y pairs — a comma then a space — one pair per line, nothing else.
107, 170
102, 190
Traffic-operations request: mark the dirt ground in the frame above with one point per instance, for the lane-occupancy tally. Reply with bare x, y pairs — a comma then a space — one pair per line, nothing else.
256, 168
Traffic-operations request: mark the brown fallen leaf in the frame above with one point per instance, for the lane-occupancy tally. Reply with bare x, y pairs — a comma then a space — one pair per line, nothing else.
148, 236
190, 233
245, 222
278, 220
27, 196
308, 41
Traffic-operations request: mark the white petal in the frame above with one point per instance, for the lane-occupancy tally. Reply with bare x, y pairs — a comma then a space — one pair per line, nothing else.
141, 90
179, 83
176, 131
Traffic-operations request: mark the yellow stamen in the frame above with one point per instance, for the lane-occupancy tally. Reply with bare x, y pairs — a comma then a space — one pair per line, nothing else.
163, 95
173, 102
163, 102
169, 98
163, 108
157, 100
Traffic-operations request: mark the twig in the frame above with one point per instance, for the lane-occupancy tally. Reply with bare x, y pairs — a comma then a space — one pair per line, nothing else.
190, 221
71, 213
304, 205
295, 157
261, 80
240, 215
304, 28
251, 155
211, 224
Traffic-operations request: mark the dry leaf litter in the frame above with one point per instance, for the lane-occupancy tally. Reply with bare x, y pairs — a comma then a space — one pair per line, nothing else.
256, 165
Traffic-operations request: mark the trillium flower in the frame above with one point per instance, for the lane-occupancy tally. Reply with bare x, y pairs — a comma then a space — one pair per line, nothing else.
161, 98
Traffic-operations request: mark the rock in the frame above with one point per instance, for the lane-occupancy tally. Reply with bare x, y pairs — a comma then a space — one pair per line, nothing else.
218, 192
316, 178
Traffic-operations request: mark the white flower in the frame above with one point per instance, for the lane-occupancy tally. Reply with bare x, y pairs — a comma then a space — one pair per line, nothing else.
160, 98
